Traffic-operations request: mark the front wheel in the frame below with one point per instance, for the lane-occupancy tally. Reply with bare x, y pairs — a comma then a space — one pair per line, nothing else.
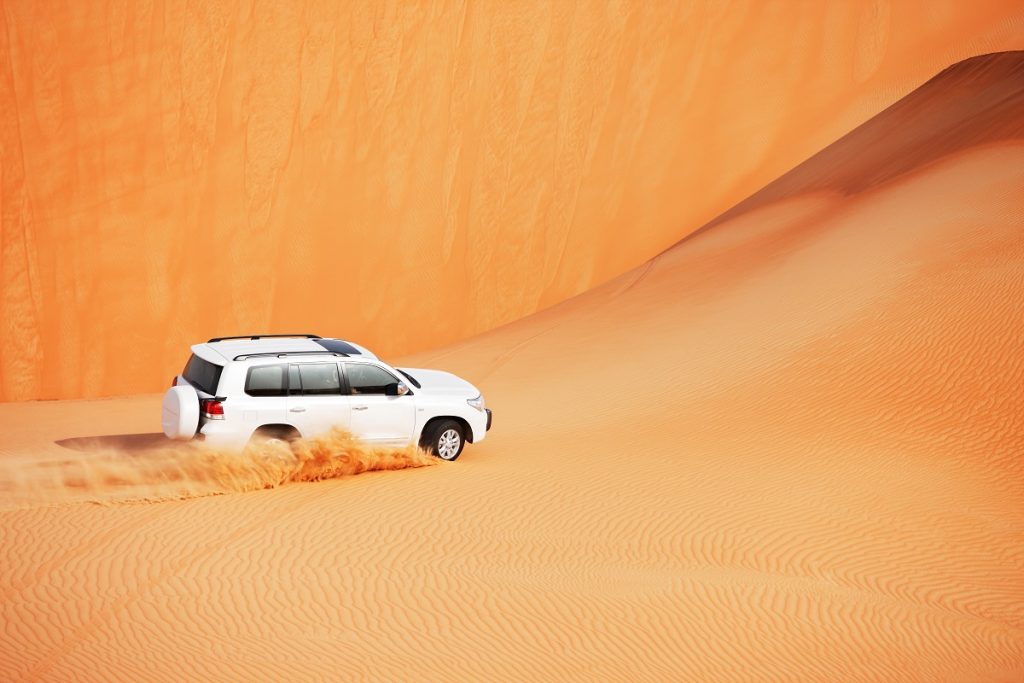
446, 440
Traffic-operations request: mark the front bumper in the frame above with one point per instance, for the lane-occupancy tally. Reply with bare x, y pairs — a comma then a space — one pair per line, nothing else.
488, 411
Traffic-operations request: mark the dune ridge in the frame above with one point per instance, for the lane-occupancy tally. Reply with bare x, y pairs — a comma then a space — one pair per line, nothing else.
919, 129
786, 449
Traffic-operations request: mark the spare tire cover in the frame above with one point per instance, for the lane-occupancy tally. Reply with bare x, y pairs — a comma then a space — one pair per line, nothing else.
180, 412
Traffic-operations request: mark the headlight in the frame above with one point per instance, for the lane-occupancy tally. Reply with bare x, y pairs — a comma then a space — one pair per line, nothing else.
477, 402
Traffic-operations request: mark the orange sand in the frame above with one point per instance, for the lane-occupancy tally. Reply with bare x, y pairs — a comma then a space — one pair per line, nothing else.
173, 171
788, 448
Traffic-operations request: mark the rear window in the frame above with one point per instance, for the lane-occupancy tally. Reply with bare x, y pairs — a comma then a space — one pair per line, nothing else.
202, 374
265, 380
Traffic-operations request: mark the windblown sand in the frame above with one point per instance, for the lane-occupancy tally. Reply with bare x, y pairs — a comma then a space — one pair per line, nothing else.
149, 467
789, 448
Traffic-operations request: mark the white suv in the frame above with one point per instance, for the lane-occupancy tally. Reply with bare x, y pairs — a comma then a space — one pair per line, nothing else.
235, 389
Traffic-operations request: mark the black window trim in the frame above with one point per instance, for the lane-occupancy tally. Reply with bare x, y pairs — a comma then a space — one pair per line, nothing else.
346, 388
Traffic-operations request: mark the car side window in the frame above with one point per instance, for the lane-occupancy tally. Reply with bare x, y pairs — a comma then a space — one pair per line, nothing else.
368, 379
319, 379
265, 380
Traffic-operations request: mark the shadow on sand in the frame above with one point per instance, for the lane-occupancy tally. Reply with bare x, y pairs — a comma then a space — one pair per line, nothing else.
127, 443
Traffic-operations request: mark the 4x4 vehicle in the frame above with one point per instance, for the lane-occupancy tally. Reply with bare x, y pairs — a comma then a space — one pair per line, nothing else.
237, 389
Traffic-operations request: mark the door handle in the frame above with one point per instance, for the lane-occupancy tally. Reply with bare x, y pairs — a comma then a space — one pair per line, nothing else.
297, 410
359, 407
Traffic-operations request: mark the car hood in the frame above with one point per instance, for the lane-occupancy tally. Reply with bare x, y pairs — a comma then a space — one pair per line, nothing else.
440, 382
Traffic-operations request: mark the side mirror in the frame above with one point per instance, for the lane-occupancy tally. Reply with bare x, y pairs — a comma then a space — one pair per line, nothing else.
396, 389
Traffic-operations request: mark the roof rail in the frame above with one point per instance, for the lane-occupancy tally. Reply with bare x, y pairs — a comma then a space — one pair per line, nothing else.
282, 354
254, 337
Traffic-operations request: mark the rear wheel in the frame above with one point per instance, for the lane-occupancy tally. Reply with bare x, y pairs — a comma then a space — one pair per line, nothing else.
446, 439
272, 442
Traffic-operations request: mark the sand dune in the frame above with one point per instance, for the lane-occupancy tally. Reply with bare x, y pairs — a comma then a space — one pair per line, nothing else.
788, 448
176, 171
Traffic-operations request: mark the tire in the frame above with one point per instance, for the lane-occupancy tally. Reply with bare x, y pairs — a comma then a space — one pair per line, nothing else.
446, 439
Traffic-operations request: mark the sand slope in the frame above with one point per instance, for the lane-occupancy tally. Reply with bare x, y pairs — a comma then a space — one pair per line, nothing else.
789, 448
175, 171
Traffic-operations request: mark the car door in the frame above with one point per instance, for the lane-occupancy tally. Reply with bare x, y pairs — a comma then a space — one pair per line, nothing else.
376, 417
315, 399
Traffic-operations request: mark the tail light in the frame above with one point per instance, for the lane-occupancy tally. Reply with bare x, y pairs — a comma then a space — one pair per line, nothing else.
212, 409
174, 381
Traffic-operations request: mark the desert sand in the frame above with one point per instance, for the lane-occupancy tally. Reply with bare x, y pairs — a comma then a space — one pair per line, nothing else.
787, 448
176, 171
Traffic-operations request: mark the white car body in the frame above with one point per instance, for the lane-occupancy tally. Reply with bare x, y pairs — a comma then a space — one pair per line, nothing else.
236, 383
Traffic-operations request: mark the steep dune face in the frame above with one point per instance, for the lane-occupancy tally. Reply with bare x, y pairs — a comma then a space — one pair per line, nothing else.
788, 448
175, 171
973, 103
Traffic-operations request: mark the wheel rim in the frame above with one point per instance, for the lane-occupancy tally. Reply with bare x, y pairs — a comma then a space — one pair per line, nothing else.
448, 444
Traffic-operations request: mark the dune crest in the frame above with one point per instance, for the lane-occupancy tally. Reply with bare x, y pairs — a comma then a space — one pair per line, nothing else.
973, 103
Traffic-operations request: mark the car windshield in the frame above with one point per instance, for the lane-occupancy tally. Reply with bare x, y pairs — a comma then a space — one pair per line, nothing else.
412, 380
338, 346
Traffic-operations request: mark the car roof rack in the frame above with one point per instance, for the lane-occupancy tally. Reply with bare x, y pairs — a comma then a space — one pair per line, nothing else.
254, 337
282, 354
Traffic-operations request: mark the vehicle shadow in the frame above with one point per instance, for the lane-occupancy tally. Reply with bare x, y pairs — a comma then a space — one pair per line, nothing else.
129, 443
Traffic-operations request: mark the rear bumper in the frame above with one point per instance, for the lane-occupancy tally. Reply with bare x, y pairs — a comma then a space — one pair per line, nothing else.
219, 434
488, 410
